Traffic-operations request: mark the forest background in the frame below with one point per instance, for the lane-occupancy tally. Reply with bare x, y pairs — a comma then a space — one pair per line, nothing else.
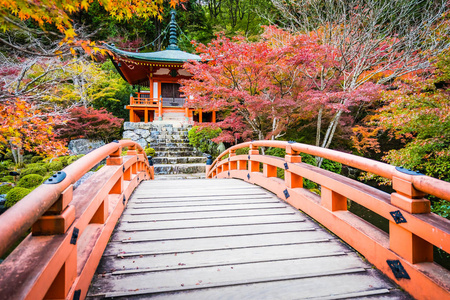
366, 77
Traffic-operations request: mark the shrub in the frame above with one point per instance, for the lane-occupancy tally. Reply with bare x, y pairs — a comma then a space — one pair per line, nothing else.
5, 188
7, 178
41, 170
150, 151
45, 178
8, 155
55, 165
64, 160
6, 165
441, 208
27, 158
33, 165
201, 138
35, 159
90, 123
15, 194
30, 181
71, 160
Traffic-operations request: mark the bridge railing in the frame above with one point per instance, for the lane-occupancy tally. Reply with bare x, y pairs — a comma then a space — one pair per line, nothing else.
405, 254
69, 227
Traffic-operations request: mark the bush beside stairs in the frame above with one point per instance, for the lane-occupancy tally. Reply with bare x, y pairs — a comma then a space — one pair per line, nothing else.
174, 157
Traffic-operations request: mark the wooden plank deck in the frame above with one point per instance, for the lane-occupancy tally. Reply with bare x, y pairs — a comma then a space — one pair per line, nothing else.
227, 239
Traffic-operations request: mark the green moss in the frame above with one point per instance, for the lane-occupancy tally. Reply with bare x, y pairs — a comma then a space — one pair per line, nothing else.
30, 181
150, 152
35, 159
64, 160
5, 188
99, 167
55, 165
15, 195
7, 178
6, 165
47, 176
41, 170
33, 165
27, 158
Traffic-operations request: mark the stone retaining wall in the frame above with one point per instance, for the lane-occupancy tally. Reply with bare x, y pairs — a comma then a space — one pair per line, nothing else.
148, 133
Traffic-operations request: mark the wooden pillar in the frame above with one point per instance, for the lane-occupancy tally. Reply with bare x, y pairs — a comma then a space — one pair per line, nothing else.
150, 83
332, 200
401, 240
214, 116
200, 116
146, 115
253, 166
160, 114
232, 165
292, 180
131, 115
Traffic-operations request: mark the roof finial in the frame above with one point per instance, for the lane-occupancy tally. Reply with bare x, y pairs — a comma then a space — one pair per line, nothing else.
173, 39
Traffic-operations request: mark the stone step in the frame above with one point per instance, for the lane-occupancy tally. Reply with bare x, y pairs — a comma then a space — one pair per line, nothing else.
168, 141
179, 160
163, 147
165, 169
177, 153
181, 176
170, 136
170, 145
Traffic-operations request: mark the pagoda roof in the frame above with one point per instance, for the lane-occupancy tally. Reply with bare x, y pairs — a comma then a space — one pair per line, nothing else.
173, 56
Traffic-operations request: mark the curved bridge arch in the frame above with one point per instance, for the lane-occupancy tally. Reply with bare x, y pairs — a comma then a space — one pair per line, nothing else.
405, 254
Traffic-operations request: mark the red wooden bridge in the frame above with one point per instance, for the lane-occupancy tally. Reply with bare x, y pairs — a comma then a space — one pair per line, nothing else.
243, 233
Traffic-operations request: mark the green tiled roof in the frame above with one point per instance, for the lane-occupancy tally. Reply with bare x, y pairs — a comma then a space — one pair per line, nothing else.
158, 56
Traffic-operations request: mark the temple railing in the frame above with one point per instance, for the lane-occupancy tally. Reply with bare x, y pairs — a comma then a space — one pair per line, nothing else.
143, 99
69, 227
405, 254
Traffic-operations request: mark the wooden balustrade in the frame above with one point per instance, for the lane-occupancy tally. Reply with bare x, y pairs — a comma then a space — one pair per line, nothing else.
150, 102
405, 254
69, 228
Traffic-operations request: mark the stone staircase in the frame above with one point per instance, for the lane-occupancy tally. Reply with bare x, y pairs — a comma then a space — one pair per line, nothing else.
175, 158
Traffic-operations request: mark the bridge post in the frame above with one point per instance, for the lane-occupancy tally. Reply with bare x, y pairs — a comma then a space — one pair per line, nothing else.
332, 200
242, 165
401, 240
269, 171
115, 158
292, 180
232, 165
66, 277
253, 166
132, 150
58, 217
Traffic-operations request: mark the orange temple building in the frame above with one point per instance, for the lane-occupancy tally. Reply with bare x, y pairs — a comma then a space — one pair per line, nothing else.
159, 71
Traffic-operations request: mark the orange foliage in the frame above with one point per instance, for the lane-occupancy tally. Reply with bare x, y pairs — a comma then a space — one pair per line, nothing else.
25, 127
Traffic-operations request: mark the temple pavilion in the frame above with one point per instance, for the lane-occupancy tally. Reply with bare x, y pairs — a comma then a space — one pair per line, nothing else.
160, 72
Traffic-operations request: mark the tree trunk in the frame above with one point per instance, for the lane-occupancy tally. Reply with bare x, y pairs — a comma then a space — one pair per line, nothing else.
17, 154
330, 133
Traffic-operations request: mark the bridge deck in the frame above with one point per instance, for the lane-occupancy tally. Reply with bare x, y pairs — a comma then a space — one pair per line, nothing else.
227, 239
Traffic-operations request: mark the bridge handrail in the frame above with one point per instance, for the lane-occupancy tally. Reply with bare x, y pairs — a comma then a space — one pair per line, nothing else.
20, 217
405, 254
69, 227
426, 184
